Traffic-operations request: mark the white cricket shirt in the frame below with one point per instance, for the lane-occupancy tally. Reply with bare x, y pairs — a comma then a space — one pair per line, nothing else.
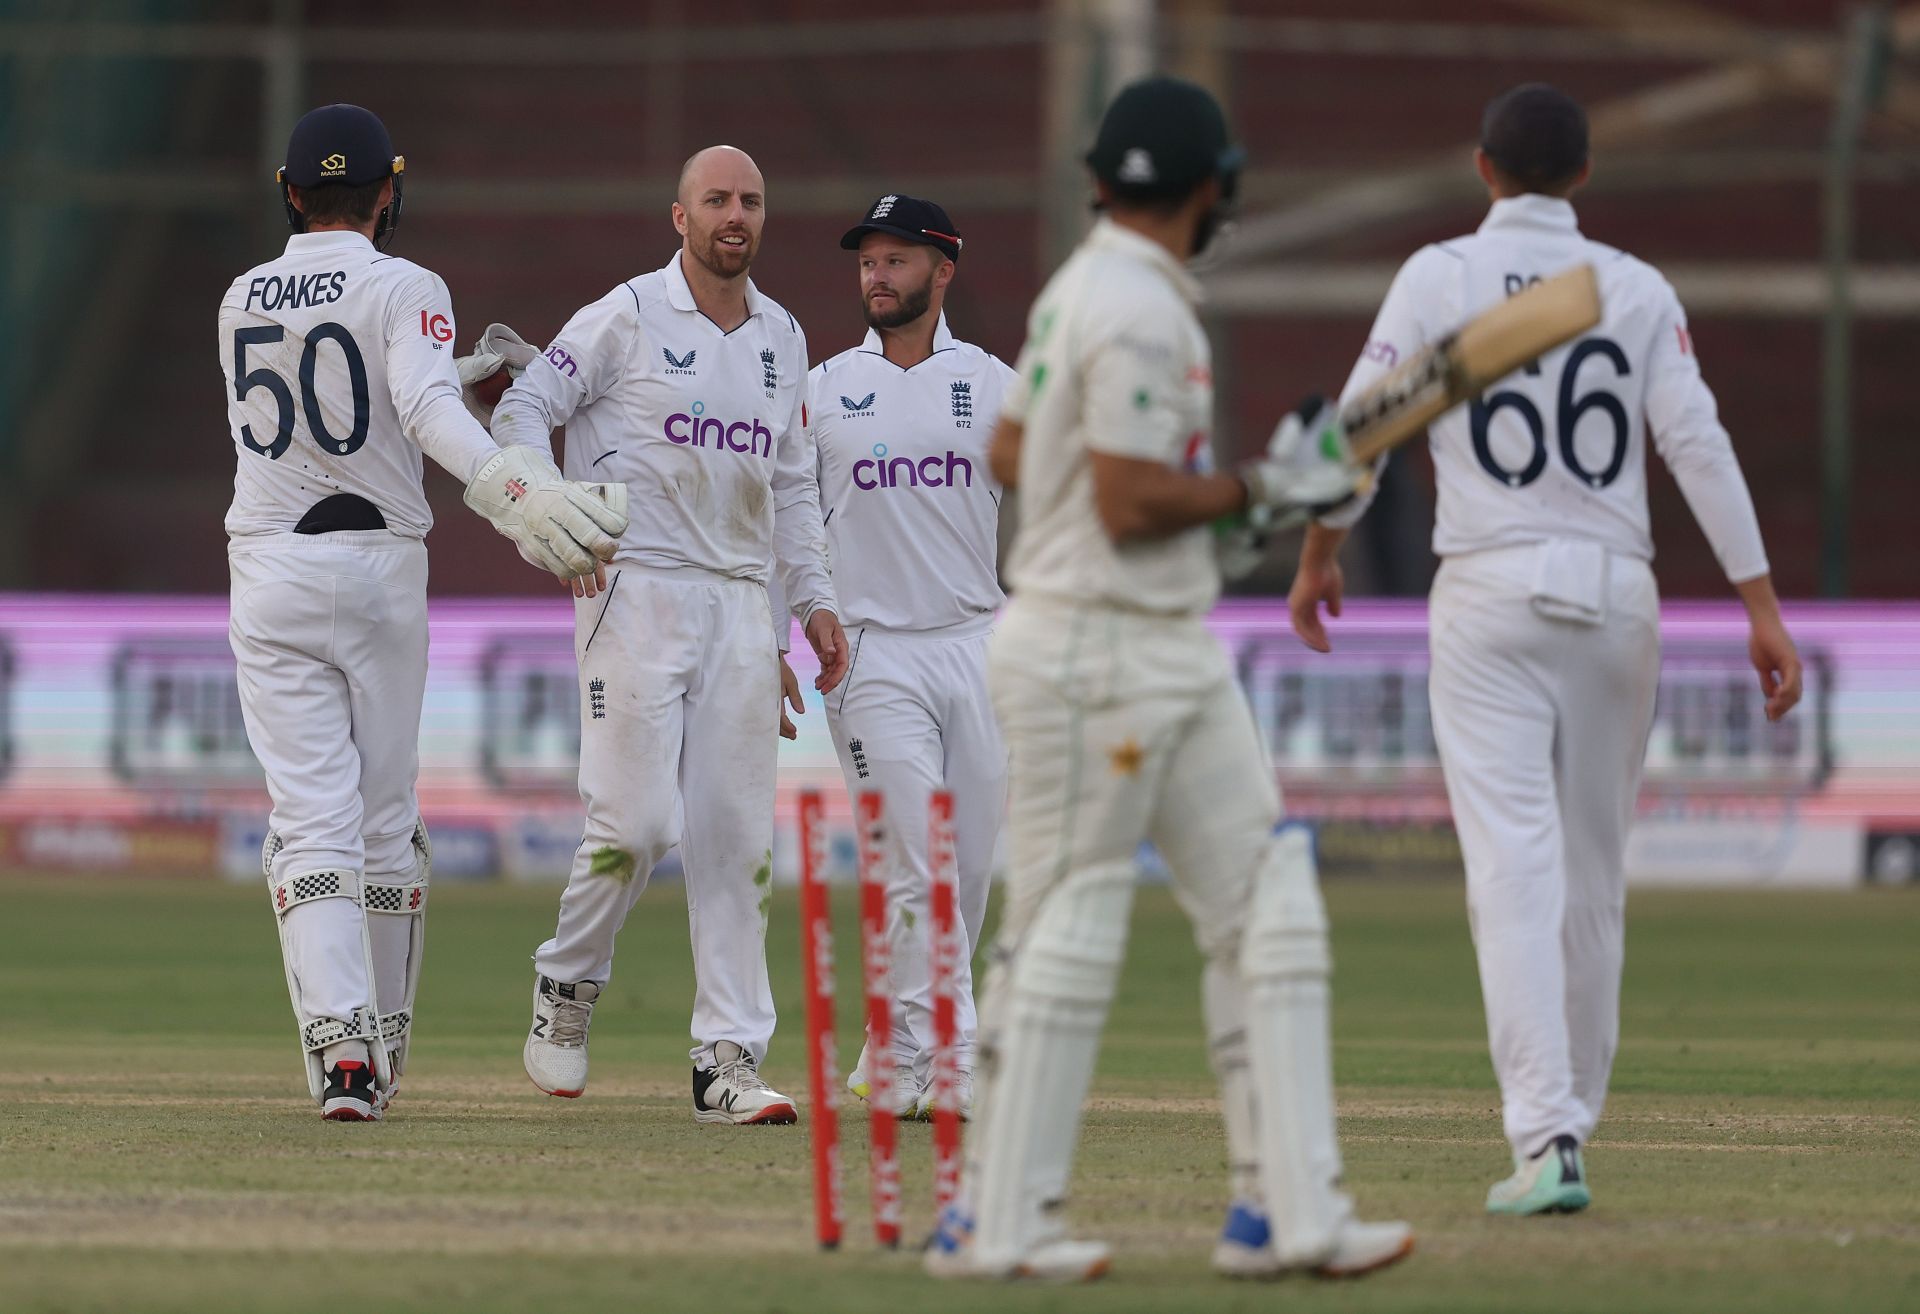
1116, 362
1558, 449
910, 510
703, 426
339, 365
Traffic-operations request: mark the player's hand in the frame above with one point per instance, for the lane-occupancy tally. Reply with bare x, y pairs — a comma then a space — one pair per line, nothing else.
789, 697
1317, 580
590, 586
1307, 467
1313, 585
830, 646
1771, 650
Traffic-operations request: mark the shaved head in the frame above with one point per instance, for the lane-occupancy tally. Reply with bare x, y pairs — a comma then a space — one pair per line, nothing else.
720, 210
703, 165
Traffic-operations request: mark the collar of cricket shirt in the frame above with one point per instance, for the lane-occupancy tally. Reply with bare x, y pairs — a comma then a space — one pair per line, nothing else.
942, 337
1112, 237
680, 296
1551, 214
327, 238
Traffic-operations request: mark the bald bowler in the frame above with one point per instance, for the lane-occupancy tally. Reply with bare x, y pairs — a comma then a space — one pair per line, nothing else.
686, 384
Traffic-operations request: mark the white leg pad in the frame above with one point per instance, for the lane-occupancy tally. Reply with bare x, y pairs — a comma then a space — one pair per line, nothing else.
1284, 966
1049, 1002
1223, 1002
397, 930
320, 1027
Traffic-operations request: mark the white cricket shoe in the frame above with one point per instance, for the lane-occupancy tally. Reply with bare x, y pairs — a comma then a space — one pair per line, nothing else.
907, 1092
556, 1051
1245, 1249
1053, 1259
963, 1097
732, 1092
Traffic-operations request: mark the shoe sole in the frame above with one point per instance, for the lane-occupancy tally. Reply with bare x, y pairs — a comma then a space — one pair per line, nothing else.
1404, 1249
774, 1115
1567, 1202
349, 1111
1091, 1273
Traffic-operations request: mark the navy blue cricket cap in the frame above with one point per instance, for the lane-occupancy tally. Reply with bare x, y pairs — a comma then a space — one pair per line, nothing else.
1162, 137
908, 217
339, 144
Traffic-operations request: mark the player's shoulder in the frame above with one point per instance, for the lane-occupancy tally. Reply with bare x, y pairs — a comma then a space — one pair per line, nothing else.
396, 270
637, 296
1622, 269
779, 320
1437, 261
842, 363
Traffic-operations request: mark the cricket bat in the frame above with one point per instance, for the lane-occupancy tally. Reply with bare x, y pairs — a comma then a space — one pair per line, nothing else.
1486, 348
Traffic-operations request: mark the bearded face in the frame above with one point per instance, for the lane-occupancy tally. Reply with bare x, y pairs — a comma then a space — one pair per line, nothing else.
896, 279
721, 211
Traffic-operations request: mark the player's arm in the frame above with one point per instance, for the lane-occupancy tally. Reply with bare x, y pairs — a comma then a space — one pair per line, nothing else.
800, 542
1003, 451
1684, 421
578, 367
424, 382
560, 527
1130, 379
1400, 330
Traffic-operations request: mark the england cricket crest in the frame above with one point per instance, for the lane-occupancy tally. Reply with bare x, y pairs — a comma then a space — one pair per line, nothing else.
769, 371
962, 404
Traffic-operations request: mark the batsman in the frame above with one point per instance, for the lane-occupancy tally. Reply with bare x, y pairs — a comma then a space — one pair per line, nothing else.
1124, 723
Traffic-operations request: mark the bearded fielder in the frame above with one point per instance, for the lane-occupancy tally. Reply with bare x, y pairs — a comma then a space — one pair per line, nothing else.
1544, 618
1124, 723
912, 517
338, 377
686, 385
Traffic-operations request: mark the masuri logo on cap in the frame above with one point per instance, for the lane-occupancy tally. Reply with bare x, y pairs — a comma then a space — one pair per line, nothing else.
334, 166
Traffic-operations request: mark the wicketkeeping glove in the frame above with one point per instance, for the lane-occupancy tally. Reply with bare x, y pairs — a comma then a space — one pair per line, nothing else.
560, 526
481, 375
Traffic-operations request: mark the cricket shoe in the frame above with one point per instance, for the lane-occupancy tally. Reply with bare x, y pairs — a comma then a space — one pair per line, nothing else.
1055, 1259
349, 1095
556, 1050
731, 1091
1553, 1181
907, 1093
1246, 1247
962, 1097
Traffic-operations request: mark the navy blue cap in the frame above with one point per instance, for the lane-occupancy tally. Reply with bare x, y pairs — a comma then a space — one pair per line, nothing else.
908, 217
338, 144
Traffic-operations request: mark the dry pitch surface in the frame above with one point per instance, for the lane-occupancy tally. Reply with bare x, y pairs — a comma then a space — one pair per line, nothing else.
156, 1151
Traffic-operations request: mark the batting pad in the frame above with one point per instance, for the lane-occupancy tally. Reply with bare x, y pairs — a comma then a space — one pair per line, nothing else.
1284, 965
1039, 1060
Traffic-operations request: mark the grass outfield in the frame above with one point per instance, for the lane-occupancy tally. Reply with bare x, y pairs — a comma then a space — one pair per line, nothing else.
1762, 1151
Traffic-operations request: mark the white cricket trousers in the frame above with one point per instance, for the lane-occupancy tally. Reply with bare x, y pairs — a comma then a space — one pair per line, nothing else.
913, 715
1542, 728
1123, 727
679, 718
329, 634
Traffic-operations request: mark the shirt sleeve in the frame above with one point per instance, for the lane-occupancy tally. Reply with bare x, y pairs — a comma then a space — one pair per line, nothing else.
799, 538
1399, 332
1684, 422
422, 378
578, 367
1133, 364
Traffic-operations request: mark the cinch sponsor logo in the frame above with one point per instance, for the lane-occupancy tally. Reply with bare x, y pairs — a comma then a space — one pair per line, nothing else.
941, 470
702, 430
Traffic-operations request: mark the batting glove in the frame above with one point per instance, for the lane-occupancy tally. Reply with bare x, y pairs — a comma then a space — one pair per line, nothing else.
1307, 468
